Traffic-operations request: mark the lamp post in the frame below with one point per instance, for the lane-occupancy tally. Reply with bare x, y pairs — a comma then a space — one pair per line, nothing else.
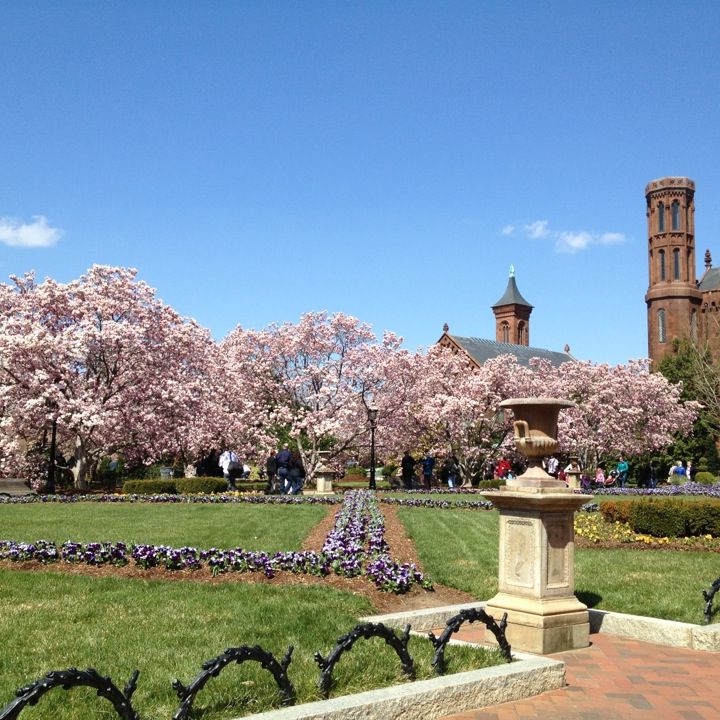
372, 419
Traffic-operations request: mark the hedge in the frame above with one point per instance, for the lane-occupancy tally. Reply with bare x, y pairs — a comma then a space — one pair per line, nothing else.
150, 487
208, 485
666, 517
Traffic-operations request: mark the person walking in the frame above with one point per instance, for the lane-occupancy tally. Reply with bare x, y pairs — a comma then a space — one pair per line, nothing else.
229, 463
283, 468
407, 465
553, 465
428, 465
652, 474
622, 469
271, 467
450, 470
296, 473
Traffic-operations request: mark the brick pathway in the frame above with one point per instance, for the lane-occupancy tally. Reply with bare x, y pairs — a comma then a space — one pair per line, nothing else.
619, 679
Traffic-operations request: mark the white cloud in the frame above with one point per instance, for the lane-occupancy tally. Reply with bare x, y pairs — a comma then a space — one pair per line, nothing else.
35, 234
566, 241
611, 238
537, 229
572, 242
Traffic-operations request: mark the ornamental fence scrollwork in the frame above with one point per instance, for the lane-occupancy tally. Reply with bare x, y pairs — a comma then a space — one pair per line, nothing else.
213, 667
453, 625
709, 596
72, 677
346, 642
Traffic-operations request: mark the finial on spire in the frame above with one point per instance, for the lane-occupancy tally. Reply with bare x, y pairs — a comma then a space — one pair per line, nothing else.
708, 260
512, 271
446, 327
567, 348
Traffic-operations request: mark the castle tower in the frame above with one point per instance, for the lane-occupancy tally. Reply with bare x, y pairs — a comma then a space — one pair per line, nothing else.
512, 315
673, 299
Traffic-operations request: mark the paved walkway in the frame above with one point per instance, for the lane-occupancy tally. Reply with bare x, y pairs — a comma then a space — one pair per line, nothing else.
616, 678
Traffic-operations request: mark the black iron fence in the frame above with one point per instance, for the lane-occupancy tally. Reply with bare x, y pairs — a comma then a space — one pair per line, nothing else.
121, 700
709, 596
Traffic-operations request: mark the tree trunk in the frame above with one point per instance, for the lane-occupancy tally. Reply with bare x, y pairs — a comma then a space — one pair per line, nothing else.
82, 465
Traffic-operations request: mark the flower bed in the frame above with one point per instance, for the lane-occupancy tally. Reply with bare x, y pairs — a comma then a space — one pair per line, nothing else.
355, 546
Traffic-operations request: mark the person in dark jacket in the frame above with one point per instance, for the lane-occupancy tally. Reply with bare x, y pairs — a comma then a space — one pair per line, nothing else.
271, 466
296, 474
408, 466
283, 468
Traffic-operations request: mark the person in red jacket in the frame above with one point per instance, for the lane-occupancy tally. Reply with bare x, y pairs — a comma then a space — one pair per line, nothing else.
503, 468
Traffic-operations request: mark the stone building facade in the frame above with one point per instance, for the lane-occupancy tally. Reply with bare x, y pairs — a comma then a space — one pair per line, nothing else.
678, 304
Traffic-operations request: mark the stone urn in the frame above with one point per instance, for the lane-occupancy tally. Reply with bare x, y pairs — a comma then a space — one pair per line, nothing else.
535, 430
536, 568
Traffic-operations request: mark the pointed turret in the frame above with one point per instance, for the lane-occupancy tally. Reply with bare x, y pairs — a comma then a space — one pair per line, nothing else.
512, 315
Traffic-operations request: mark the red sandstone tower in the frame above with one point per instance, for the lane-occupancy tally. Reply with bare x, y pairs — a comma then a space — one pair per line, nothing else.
512, 315
673, 298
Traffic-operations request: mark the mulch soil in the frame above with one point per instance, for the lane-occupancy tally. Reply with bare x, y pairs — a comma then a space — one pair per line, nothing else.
401, 548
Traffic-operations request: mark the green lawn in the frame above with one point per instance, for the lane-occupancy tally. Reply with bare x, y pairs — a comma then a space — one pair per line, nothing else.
253, 527
459, 548
168, 629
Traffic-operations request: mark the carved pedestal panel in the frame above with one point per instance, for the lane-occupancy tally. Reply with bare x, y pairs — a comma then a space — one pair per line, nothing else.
536, 576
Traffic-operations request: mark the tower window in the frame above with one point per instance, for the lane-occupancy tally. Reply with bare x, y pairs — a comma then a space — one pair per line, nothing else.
676, 264
662, 264
505, 332
521, 334
662, 335
661, 217
675, 215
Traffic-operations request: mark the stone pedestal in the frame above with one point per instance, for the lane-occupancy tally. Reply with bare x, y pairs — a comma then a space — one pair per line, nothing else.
537, 570
324, 486
573, 478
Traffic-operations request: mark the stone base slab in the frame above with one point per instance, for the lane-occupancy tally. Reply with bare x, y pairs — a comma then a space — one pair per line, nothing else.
542, 626
15, 487
437, 697
653, 630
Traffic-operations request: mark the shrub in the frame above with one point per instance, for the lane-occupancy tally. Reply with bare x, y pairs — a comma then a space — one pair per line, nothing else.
704, 477
209, 485
149, 487
490, 484
658, 517
703, 518
671, 517
389, 470
355, 471
615, 511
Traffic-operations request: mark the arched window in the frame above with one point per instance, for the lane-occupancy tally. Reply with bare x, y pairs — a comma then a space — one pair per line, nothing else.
505, 332
662, 335
662, 264
676, 264
521, 334
661, 217
675, 215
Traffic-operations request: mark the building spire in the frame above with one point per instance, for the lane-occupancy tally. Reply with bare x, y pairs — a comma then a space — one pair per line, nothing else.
708, 260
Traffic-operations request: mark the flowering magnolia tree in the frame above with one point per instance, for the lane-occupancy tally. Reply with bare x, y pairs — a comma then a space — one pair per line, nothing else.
105, 362
451, 407
622, 410
315, 378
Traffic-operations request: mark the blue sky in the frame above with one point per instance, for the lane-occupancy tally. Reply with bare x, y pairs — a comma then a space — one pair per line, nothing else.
258, 160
